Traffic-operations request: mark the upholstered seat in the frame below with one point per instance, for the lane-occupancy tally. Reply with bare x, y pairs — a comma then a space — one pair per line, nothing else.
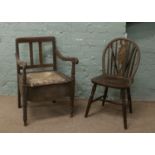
38, 79
46, 78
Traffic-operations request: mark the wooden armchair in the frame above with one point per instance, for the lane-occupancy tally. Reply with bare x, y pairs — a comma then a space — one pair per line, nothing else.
121, 59
47, 83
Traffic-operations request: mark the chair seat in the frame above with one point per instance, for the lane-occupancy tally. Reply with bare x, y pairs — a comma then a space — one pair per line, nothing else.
112, 81
46, 78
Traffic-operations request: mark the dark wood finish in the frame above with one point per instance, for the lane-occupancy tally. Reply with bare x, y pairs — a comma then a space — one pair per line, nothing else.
124, 108
44, 92
129, 100
90, 99
40, 53
31, 53
120, 61
105, 95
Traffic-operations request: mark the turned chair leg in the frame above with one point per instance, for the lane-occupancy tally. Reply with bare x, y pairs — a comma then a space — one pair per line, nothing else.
19, 94
72, 106
19, 99
124, 108
24, 107
72, 99
105, 95
90, 100
129, 100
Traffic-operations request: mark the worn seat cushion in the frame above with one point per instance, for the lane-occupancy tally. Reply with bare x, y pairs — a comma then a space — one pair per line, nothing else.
46, 78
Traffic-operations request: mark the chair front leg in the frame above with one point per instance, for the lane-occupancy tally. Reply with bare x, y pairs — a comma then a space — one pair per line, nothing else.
90, 99
105, 95
19, 95
129, 100
18, 88
72, 98
25, 105
124, 108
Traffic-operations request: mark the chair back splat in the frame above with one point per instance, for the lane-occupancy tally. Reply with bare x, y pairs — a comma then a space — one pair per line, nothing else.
121, 58
40, 52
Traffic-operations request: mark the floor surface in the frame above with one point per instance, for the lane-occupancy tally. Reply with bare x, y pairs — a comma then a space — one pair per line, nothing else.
54, 117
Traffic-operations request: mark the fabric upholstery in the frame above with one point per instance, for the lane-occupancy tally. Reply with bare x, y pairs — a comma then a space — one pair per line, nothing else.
46, 78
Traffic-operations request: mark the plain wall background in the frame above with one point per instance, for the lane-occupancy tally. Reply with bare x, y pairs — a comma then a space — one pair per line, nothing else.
83, 40
144, 35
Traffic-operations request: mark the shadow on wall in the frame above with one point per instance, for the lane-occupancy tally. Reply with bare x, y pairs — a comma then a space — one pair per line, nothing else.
140, 30
144, 35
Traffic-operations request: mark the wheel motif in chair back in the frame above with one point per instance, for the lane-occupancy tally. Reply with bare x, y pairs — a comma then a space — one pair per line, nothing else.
121, 58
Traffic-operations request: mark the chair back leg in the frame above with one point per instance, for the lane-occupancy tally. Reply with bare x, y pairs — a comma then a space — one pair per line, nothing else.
72, 99
72, 106
24, 97
105, 95
124, 108
129, 100
19, 99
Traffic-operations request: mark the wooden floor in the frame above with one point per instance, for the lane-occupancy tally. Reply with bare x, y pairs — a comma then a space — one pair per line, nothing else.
54, 117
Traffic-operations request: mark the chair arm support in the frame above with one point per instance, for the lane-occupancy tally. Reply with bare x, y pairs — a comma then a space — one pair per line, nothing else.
74, 61
21, 65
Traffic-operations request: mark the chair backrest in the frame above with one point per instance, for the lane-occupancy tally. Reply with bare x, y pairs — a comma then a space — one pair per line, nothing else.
39, 55
121, 57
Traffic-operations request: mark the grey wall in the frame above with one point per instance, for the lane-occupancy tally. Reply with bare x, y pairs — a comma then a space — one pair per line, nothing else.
144, 35
83, 40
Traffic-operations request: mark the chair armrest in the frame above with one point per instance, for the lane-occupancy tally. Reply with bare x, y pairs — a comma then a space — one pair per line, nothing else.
20, 63
71, 59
